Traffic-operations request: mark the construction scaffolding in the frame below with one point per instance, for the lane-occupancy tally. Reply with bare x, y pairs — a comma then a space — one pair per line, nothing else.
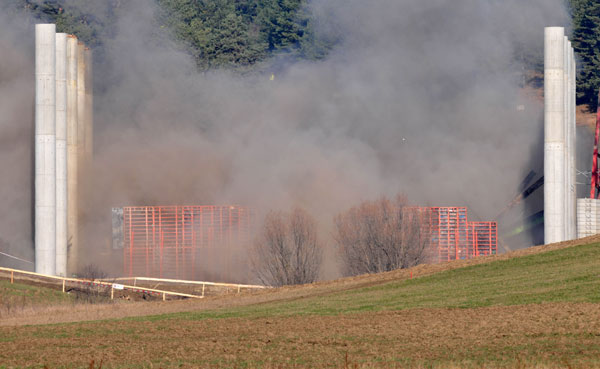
453, 237
483, 238
185, 242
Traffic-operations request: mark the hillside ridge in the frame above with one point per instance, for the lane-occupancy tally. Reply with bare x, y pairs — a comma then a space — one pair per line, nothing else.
287, 294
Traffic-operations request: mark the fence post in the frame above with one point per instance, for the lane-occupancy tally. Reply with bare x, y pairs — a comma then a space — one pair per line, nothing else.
164, 296
112, 292
63, 286
238, 288
203, 289
12, 277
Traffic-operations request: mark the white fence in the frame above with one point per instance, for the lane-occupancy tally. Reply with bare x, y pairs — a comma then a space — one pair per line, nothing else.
117, 286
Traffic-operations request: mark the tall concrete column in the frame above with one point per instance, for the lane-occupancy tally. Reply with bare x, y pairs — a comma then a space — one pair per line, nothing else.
81, 105
45, 149
61, 154
554, 135
75, 250
567, 118
89, 108
572, 221
72, 179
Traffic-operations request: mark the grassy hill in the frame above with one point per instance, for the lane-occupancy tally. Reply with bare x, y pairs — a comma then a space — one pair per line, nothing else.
566, 275
17, 297
537, 310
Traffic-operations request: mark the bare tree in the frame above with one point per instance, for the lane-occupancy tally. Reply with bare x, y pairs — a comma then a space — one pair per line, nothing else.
92, 272
91, 294
287, 250
380, 236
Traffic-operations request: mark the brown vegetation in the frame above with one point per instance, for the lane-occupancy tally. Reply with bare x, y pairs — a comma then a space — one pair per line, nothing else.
287, 251
85, 312
379, 236
508, 336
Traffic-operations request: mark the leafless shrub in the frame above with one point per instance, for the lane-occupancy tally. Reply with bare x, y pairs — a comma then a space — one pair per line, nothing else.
11, 304
380, 236
92, 293
92, 272
287, 250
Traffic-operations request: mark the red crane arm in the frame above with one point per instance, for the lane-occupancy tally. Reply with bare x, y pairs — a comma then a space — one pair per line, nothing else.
595, 188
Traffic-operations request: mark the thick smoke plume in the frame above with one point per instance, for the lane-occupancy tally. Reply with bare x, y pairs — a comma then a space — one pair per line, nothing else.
16, 140
419, 97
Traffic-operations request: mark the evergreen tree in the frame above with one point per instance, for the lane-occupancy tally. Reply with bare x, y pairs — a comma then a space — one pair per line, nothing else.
216, 33
586, 41
230, 43
279, 23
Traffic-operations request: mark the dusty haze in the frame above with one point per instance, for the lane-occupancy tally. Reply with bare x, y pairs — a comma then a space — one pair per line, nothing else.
420, 97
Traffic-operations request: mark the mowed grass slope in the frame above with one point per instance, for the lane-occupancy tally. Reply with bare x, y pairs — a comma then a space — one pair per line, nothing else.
566, 275
537, 310
15, 297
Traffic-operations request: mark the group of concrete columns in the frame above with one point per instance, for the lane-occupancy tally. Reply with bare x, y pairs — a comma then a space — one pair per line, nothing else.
559, 137
63, 145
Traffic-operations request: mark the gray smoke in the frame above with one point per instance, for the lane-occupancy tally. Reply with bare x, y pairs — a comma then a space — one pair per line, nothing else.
420, 97
16, 140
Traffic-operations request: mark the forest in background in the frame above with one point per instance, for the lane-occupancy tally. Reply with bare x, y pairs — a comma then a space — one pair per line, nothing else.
231, 34
244, 35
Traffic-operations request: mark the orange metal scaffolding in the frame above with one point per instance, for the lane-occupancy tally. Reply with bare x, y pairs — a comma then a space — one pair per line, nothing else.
184, 242
453, 237
483, 238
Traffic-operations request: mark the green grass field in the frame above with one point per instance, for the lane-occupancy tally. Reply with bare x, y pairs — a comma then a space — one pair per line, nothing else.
18, 296
566, 275
539, 310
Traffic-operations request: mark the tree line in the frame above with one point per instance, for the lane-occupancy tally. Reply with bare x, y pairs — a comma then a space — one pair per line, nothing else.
242, 34
231, 34
373, 237
586, 42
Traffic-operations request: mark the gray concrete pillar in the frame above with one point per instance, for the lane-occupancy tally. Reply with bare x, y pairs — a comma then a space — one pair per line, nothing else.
572, 221
45, 149
81, 105
567, 64
89, 108
72, 179
61, 154
554, 135
75, 250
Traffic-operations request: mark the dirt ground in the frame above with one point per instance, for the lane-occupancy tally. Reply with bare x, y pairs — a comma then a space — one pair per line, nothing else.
585, 117
564, 335
548, 335
64, 314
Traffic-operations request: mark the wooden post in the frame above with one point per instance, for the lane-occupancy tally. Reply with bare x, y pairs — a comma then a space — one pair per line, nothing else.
12, 277
203, 289
164, 296
238, 289
63, 286
112, 293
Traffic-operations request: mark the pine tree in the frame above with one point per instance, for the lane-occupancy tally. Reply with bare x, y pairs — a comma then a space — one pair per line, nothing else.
279, 23
586, 41
216, 33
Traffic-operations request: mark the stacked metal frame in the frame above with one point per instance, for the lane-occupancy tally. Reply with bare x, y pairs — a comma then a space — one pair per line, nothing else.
185, 242
453, 237
483, 238
450, 232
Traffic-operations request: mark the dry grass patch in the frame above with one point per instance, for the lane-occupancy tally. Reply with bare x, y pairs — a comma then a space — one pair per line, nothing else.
492, 337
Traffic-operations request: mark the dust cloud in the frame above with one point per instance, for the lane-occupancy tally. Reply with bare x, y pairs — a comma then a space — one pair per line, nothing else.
16, 141
418, 97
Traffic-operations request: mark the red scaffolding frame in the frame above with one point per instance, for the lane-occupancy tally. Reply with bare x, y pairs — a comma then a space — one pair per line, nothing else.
453, 237
184, 242
449, 229
483, 238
